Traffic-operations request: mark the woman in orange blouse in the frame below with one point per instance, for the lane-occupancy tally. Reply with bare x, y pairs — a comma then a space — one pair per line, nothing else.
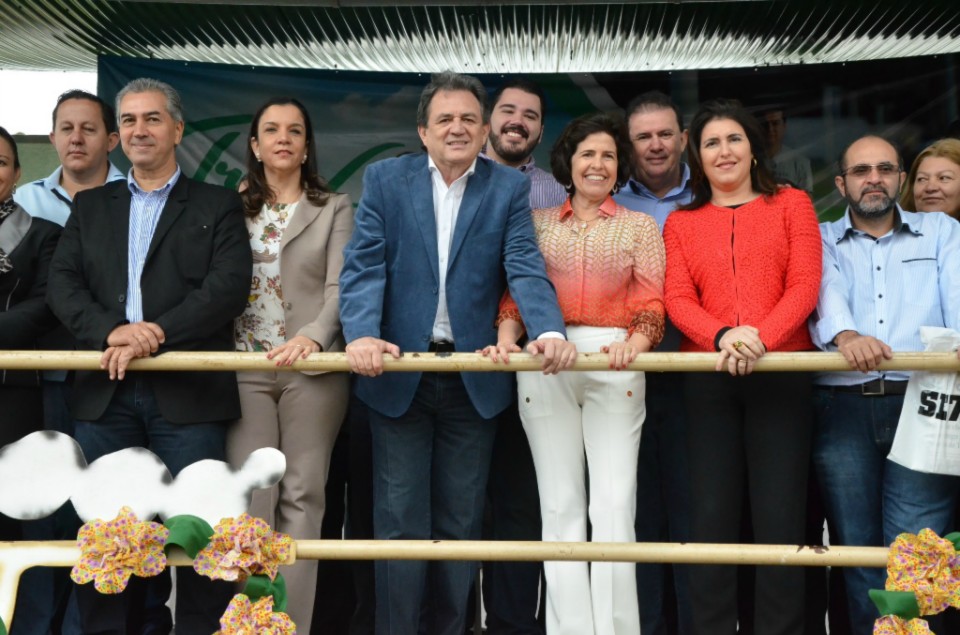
743, 274
607, 264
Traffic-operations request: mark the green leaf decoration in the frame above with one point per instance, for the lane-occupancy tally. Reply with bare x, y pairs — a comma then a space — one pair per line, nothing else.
190, 533
900, 603
3, 628
954, 538
259, 586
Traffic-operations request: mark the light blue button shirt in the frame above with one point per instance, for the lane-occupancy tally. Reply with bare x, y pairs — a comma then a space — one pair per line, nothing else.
145, 209
45, 198
638, 197
887, 287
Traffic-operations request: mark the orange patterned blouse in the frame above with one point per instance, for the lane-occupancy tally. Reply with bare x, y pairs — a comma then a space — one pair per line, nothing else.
610, 274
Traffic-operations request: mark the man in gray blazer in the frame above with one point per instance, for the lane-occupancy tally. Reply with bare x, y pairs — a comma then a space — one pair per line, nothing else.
438, 239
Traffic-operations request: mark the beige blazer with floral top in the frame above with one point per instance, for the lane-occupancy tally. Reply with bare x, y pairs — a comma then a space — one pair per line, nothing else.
311, 254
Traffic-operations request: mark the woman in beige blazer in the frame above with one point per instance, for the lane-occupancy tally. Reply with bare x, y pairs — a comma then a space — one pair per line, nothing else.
297, 231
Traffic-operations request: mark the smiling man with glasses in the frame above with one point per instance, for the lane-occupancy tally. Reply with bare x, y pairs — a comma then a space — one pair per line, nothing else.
886, 273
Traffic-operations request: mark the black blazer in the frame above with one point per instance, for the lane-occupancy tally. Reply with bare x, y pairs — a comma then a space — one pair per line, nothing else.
195, 281
24, 315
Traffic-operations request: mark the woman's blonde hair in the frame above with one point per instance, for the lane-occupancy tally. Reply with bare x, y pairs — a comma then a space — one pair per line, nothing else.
946, 148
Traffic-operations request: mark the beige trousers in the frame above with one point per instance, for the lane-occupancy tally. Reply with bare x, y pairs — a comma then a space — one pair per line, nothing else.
300, 415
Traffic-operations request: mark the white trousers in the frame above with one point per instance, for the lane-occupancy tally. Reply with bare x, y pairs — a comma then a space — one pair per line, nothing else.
598, 414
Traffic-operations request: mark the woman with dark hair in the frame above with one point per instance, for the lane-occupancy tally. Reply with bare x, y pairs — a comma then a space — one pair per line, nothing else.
26, 248
607, 264
743, 274
298, 229
933, 184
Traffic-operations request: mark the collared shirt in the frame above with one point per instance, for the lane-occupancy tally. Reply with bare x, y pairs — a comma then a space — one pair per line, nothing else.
638, 197
545, 191
446, 208
46, 198
145, 209
887, 287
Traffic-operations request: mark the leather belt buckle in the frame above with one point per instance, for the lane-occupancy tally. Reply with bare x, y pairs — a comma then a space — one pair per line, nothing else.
442, 346
873, 388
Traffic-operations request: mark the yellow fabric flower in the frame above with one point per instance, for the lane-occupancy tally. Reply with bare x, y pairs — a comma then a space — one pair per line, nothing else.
242, 547
113, 550
893, 625
245, 618
929, 566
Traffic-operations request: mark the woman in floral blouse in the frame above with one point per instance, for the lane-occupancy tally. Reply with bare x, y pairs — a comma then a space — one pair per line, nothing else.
297, 232
607, 264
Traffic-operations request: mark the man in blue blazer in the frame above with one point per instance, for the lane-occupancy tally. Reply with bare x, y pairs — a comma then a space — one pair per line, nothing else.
438, 239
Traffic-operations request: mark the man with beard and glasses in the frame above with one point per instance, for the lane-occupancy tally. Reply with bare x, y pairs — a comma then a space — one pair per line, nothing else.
512, 590
518, 109
886, 273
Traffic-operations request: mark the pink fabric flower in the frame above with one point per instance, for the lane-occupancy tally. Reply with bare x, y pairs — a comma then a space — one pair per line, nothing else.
929, 566
257, 618
242, 547
893, 625
113, 550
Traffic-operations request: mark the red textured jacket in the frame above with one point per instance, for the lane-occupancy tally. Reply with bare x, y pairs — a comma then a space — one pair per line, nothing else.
756, 265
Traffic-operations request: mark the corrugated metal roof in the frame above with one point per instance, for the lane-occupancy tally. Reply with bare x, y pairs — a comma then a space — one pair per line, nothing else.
483, 38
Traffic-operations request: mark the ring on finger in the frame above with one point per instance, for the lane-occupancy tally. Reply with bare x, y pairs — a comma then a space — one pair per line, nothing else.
737, 345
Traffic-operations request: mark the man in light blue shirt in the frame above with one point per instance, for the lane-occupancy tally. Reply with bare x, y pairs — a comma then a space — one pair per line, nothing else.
661, 183
886, 273
84, 133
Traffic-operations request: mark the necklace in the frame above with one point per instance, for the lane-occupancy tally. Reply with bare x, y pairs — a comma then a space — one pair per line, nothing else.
584, 223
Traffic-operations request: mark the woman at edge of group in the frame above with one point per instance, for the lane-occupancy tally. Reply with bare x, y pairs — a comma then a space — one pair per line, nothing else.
297, 229
933, 184
26, 248
743, 275
610, 289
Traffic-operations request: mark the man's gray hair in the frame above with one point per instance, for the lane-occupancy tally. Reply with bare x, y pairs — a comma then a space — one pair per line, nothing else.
450, 81
148, 85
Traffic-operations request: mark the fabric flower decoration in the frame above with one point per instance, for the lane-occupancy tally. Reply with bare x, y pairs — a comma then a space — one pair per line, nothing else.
113, 550
893, 625
241, 547
243, 617
929, 566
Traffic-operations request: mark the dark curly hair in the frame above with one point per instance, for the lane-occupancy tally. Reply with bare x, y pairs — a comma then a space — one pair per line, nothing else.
561, 155
761, 179
258, 191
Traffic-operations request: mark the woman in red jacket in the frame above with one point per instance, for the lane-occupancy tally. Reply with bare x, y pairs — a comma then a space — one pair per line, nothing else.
743, 273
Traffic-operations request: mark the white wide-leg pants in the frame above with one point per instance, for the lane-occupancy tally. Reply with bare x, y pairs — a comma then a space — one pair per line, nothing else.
598, 414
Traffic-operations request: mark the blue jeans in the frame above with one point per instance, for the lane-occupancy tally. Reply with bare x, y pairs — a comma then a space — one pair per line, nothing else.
916, 500
132, 420
852, 439
430, 474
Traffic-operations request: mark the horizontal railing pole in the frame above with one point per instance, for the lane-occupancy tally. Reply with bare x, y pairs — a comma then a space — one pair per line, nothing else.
456, 362
65, 553
685, 553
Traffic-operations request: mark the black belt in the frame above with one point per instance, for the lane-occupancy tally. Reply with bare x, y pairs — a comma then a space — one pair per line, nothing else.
443, 346
876, 388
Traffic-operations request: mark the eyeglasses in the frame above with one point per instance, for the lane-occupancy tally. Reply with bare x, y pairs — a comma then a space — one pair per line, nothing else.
862, 170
